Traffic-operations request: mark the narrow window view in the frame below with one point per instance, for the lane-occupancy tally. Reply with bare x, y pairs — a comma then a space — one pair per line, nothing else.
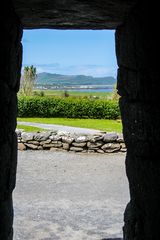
71, 181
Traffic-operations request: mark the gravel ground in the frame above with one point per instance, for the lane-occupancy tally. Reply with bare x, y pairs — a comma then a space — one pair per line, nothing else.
63, 195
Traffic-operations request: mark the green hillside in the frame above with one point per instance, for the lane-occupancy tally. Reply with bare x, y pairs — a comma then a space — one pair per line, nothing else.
49, 79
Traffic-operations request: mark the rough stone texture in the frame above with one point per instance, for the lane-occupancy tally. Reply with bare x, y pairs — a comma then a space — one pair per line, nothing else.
55, 144
111, 147
96, 138
95, 144
35, 142
73, 14
67, 139
137, 47
27, 136
42, 136
55, 137
71, 142
120, 138
10, 64
40, 148
75, 144
100, 151
81, 139
45, 142
31, 146
76, 149
123, 147
21, 147
66, 146
110, 137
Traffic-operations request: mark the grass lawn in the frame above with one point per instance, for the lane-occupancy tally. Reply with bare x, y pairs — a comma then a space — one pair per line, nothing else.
29, 128
52, 93
98, 124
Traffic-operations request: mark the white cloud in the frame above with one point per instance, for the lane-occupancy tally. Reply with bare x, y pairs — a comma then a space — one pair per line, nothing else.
93, 70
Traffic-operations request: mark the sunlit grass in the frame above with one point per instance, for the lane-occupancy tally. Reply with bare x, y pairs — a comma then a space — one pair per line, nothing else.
75, 93
98, 124
29, 128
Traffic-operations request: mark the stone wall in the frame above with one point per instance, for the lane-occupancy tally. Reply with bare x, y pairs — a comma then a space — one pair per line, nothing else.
58, 140
10, 64
73, 14
138, 48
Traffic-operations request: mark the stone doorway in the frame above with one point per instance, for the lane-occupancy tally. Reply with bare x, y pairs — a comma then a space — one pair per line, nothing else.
137, 44
37, 219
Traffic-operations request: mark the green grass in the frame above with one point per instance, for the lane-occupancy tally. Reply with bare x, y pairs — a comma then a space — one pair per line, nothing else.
29, 128
75, 93
98, 124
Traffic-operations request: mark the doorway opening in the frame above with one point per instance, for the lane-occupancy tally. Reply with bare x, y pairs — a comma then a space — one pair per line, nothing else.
67, 195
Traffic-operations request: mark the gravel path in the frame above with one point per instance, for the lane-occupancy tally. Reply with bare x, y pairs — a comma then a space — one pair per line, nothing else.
61, 195
61, 128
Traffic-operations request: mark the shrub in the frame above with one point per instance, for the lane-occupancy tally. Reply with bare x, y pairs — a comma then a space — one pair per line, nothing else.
65, 94
67, 107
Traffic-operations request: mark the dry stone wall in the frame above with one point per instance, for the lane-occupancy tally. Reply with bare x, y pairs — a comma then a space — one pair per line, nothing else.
60, 140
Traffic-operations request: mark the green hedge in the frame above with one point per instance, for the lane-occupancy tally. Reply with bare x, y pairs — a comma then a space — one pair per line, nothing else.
67, 107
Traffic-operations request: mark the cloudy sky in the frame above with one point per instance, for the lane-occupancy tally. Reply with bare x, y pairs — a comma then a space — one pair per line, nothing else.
72, 52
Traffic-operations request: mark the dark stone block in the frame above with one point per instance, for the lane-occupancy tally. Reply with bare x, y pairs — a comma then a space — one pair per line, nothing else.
112, 239
6, 219
90, 14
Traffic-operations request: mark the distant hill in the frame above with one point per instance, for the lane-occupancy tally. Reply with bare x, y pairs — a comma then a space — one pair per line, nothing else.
72, 81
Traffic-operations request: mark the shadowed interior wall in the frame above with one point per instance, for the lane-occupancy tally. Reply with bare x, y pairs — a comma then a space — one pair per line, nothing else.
137, 46
10, 65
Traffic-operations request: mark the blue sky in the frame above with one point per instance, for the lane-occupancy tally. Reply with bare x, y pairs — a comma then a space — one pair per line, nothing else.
88, 52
